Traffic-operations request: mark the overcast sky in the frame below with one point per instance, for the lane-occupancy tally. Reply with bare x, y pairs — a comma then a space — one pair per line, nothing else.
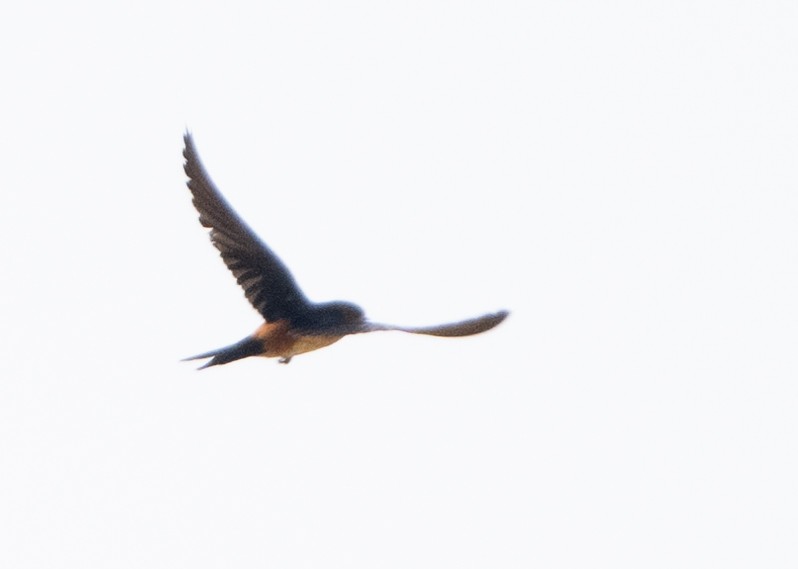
622, 176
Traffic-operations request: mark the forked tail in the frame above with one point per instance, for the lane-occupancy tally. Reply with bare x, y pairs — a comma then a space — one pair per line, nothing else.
247, 347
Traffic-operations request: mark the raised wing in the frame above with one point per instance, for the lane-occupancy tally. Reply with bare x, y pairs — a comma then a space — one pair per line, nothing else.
266, 281
463, 328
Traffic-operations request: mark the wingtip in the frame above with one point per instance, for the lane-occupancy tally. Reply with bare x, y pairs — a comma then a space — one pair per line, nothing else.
468, 327
490, 321
188, 144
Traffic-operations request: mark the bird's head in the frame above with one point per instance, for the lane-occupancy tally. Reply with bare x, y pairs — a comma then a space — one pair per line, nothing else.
339, 316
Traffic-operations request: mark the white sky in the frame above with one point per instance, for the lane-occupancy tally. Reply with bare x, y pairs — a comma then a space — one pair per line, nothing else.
620, 175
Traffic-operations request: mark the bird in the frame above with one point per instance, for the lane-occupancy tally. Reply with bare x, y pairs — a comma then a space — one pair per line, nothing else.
292, 324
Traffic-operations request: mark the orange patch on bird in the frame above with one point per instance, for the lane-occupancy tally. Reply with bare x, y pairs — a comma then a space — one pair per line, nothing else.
280, 341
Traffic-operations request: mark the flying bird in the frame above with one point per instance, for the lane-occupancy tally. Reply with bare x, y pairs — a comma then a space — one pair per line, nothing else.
293, 324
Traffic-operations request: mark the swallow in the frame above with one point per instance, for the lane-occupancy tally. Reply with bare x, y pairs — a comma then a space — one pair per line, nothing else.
292, 324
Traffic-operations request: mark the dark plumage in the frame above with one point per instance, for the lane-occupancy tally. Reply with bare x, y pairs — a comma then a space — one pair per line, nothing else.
293, 325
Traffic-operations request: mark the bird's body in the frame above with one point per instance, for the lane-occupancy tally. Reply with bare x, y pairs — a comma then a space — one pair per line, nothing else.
293, 324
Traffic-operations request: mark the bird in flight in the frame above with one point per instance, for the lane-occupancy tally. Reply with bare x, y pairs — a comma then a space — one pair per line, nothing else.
293, 324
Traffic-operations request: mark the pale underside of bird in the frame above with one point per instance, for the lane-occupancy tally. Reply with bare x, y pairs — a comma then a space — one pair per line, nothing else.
293, 324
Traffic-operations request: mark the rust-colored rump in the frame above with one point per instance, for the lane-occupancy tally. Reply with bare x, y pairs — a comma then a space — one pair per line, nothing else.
280, 341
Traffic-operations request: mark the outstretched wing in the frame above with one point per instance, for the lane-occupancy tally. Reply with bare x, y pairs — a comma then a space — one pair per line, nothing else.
266, 281
463, 328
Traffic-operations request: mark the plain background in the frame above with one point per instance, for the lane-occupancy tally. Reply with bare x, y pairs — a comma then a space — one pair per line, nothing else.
620, 175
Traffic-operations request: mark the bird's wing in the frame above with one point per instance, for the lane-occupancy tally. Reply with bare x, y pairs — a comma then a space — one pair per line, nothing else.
266, 281
463, 328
